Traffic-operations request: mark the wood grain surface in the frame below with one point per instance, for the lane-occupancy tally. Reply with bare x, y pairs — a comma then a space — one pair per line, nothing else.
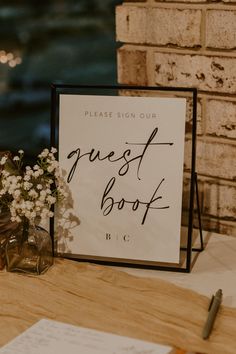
102, 298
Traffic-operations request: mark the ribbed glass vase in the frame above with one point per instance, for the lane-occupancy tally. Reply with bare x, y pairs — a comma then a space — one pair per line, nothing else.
29, 250
7, 227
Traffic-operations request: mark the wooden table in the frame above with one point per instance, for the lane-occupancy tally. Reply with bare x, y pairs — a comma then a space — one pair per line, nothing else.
107, 299
214, 268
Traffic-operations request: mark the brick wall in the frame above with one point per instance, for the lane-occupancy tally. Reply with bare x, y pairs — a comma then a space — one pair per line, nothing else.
191, 43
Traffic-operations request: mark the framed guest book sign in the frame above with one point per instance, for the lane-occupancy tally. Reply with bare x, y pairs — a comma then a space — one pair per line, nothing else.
121, 151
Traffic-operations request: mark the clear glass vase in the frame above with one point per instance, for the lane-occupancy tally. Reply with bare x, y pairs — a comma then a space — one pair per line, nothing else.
6, 229
29, 250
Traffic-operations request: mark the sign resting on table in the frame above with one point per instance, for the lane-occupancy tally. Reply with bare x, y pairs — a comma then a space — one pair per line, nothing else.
122, 158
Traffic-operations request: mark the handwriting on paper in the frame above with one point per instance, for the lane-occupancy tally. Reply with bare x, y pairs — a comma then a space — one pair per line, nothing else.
48, 337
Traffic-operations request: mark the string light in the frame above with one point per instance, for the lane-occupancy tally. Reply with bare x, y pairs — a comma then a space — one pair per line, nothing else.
9, 59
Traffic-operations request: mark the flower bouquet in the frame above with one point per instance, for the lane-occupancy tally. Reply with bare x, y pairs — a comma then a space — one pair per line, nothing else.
27, 195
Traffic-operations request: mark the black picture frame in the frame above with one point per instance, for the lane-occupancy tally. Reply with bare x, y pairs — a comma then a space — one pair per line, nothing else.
192, 205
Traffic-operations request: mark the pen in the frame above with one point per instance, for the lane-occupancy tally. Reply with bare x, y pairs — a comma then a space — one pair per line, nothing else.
213, 309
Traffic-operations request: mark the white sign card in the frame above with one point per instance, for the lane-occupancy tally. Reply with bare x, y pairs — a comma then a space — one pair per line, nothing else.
49, 337
122, 159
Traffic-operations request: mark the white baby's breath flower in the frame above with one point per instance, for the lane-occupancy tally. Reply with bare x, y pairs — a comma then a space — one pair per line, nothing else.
29, 172
6, 183
64, 194
21, 205
50, 214
27, 185
33, 215
56, 174
54, 164
13, 212
50, 169
36, 174
49, 159
16, 193
43, 193
17, 219
29, 205
27, 177
31, 192
44, 212
3, 160
44, 153
5, 173
51, 200
42, 197
27, 214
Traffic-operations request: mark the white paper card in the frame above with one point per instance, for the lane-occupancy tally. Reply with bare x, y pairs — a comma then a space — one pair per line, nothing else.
123, 158
50, 337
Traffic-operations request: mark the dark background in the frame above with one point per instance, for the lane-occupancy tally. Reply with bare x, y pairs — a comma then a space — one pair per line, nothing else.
44, 42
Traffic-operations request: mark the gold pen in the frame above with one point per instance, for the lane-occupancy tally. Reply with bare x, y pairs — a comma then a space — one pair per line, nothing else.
213, 310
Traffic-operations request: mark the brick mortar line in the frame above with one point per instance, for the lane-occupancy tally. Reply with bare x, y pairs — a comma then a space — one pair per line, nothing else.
231, 97
181, 6
212, 139
216, 181
206, 179
221, 50
219, 219
217, 140
202, 138
203, 30
184, 51
219, 97
203, 116
149, 68
207, 51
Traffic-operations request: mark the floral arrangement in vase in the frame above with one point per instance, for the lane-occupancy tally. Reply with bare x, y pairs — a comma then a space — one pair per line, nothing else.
28, 194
